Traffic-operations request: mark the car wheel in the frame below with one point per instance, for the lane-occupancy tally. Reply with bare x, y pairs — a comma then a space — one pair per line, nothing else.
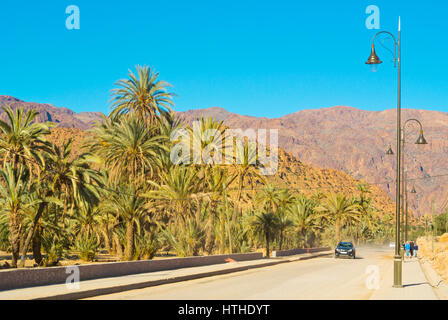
336, 256
354, 257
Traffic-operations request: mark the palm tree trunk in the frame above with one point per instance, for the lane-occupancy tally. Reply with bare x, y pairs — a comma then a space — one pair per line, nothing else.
14, 238
281, 240
129, 250
118, 247
267, 244
209, 237
42, 206
338, 229
37, 255
107, 240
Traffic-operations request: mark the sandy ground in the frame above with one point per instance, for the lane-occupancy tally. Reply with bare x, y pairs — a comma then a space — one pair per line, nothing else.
437, 258
320, 278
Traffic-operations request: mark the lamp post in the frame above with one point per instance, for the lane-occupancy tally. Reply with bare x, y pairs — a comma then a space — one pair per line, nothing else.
374, 60
404, 197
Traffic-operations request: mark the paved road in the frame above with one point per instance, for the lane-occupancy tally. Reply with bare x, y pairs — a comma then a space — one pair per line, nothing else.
319, 278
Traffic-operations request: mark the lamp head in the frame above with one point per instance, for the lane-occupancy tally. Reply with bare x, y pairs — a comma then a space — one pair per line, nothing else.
373, 58
421, 139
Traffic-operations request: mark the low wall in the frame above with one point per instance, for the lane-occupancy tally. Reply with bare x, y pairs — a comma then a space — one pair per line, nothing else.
22, 278
291, 252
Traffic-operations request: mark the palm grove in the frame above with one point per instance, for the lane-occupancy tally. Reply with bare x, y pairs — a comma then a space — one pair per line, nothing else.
125, 196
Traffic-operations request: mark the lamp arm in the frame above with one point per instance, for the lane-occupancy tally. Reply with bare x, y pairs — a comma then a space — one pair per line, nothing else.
412, 119
395, 43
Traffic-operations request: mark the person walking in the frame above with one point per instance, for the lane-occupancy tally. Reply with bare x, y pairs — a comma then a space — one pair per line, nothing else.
415, 249
411, 248
407, 247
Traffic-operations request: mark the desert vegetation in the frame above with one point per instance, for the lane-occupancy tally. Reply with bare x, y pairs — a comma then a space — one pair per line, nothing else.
120, 193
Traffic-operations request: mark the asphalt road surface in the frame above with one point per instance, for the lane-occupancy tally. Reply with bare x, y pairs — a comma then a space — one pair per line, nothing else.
318, 278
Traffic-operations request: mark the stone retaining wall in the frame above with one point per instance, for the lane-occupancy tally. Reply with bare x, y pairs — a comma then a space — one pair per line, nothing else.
22, 278
291, 252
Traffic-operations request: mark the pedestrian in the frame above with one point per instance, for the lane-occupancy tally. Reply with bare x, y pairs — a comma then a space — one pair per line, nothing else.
411, 248
415, 249
407, 247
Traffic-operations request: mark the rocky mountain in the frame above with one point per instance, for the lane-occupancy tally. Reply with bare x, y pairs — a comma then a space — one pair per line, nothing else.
355, 141
62, 117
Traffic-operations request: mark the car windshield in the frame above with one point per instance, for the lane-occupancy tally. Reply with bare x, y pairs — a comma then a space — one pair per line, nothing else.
345, 245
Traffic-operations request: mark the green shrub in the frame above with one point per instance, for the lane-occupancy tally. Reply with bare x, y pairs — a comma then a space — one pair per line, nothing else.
147, 245
87, 248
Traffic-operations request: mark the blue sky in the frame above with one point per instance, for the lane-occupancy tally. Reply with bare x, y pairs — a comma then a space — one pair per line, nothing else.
261, 58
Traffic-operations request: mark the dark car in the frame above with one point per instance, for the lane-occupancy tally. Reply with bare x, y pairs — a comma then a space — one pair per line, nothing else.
346, 249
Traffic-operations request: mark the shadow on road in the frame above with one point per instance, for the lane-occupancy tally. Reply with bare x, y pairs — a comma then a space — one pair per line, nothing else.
415, 284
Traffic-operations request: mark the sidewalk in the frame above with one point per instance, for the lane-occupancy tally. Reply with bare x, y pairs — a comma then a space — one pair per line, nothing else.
91, 288
415, 284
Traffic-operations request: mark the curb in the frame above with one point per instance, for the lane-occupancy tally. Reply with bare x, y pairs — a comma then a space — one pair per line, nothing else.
120, 288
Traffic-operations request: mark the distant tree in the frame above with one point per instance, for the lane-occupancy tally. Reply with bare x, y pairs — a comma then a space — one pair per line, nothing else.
266, 225
339, 209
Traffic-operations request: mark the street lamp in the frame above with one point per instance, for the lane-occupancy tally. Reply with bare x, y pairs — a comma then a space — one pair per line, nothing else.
375, 60
404, 197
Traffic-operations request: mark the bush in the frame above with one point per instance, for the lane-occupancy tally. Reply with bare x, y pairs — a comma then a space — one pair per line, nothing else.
147, 245
87, 248
186, 239
53, 249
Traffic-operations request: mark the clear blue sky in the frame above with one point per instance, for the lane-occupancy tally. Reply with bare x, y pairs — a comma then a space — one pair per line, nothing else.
262, 58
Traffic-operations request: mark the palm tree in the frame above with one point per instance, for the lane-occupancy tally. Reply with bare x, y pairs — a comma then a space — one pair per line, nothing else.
266, 225
338, 209
216, 182
144, 94
271, 198
246, 164
208, 137
128, 148
129, 206
284, 222
22, 140
177, 189
69, 180
304, 217
15, 200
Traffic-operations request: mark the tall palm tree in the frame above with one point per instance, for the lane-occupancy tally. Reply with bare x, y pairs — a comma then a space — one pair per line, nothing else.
216, 182
128, 148
144, 94
304, 217
129, 206
266, 224
339, 209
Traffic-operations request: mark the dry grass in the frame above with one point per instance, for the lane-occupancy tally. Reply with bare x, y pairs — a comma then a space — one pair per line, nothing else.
439, 258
